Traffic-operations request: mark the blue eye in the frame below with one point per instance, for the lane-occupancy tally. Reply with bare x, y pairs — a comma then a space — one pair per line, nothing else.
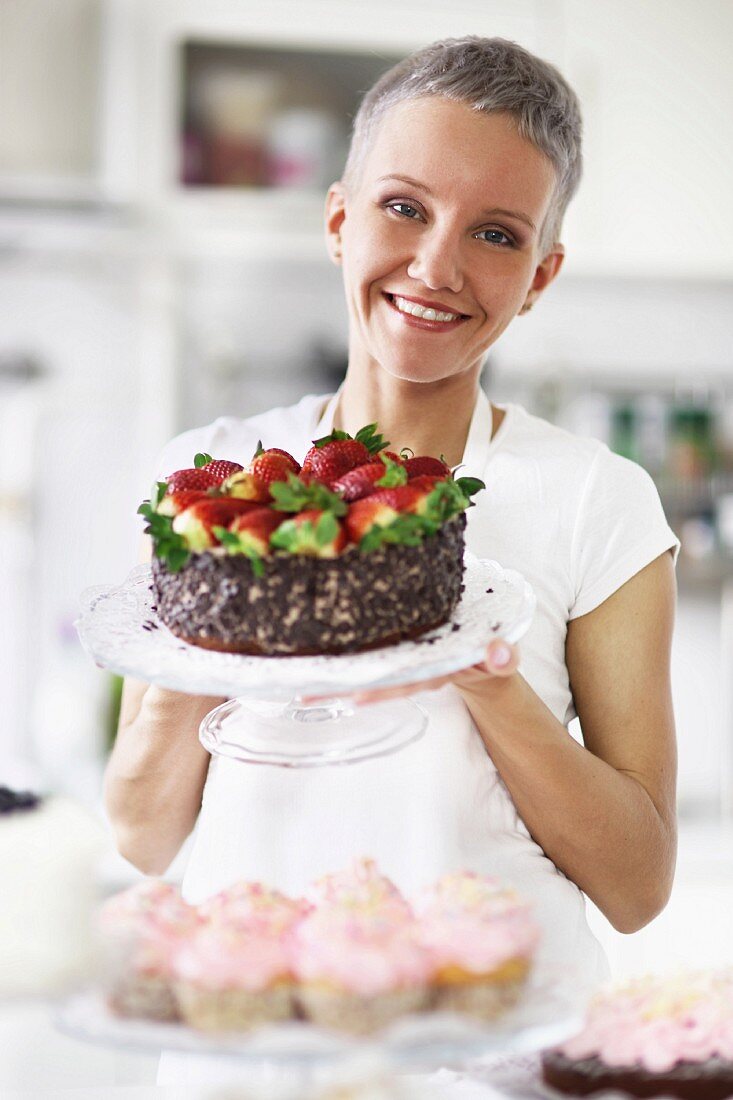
496, 236
401, 208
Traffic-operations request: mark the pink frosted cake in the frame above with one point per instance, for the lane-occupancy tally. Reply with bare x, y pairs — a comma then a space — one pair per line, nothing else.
230, 979
670, 1037
143, 928
358, 971
481, 938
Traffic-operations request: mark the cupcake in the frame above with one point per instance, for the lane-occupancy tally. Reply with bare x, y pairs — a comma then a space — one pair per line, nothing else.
655, 1036
234, 979
142, 929
251, 904
358, 971
361, 888
481, 938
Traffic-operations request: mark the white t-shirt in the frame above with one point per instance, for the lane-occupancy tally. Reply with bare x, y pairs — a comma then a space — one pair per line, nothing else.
577, 521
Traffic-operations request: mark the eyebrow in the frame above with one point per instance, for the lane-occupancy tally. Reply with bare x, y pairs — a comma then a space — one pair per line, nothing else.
486, 213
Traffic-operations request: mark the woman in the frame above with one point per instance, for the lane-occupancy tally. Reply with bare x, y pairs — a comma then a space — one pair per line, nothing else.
463, 160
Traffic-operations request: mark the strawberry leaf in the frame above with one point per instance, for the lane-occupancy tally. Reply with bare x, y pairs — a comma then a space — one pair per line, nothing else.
469, 486
405, 530
231, 541
394, 474
167, 543
294, 495
327, 528
335, 435
201, 459
447, 499
157, 493
369, 436
287, 536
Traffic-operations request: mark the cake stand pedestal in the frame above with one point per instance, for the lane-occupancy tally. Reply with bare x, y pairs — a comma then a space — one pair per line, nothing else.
265, 719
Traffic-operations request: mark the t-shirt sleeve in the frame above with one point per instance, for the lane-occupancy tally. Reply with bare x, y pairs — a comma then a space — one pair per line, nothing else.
620, 528
179, 452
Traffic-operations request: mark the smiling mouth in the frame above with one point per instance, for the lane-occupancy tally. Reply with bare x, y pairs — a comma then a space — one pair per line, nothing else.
432, 316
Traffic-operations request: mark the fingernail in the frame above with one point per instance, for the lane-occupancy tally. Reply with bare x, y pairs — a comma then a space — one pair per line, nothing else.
501, 655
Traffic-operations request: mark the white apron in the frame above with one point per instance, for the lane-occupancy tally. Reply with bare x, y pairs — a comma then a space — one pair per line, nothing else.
437, 805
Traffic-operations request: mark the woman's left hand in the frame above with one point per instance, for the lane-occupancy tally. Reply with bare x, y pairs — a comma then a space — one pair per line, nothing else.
500, 659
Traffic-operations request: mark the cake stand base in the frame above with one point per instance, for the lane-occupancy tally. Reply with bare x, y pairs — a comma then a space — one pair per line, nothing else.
292, 735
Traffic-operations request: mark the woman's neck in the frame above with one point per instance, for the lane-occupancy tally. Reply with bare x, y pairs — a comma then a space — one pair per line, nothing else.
429, 417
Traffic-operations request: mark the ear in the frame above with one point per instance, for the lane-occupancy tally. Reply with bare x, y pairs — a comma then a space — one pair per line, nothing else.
335, 213
547, 270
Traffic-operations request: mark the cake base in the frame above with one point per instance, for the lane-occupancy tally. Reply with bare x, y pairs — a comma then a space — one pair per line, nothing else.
304, 606
711, 1080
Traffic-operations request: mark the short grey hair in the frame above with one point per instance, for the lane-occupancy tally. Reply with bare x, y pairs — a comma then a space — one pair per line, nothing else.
488, 74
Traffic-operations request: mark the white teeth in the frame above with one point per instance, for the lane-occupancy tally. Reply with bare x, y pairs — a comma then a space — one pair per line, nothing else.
421, 311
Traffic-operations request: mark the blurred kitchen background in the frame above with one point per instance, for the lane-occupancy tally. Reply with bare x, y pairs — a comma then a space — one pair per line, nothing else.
163, 165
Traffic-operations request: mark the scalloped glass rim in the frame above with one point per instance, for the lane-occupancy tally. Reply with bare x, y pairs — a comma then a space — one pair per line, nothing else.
550, 1011
120, 631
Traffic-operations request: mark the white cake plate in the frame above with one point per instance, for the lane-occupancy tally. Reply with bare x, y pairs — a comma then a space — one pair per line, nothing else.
264, 719
551, 1010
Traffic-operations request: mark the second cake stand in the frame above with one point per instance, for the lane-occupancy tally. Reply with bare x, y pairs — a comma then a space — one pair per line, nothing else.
268, 716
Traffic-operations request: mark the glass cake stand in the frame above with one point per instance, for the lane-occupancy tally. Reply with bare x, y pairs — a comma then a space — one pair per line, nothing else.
296, 711
551, 1009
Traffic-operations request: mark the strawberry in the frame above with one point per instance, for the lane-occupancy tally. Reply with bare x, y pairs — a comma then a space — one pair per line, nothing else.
197, 523
364, 480
254, 529
392, 456
420, 488
425, 464
245, 486
191, 479
365, 514
291, 462
313, 533
221, 468
332, 460
173, 503
269, 466
359, 482
337, 453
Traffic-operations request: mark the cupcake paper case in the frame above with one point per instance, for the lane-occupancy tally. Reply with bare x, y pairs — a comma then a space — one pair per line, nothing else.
234, 979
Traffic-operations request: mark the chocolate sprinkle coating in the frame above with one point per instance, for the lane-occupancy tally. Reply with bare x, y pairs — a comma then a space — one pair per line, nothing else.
710, 1080
305, 605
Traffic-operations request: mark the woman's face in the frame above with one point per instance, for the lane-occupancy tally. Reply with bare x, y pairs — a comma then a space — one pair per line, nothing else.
445, 215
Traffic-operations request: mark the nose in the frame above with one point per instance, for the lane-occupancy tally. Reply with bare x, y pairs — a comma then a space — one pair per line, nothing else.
437, 260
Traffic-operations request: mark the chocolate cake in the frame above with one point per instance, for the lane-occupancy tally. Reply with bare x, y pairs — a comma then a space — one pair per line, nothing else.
308, 605
358, 548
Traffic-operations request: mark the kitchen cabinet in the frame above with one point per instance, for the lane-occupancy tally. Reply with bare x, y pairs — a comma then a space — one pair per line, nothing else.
656, 84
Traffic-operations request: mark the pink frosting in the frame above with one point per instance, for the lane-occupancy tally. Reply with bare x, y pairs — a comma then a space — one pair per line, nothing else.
361, 887
216, 959
248, 903
474, 922
151, 902
656, 1022
357, 952
467, 891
